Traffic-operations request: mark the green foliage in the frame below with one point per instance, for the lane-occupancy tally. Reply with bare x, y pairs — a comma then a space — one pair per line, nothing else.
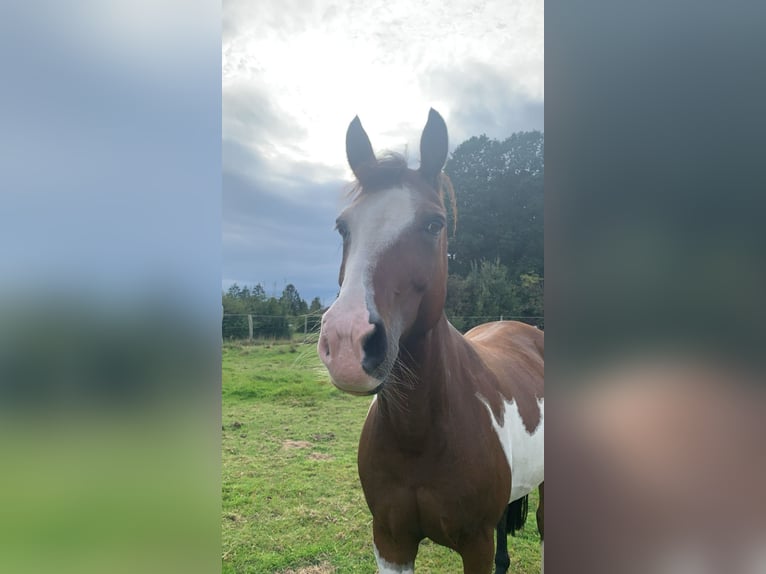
269, 314
530, 296
484, 292
316, 305
487, 293
499, 190
291, 301
235, 327
496, 258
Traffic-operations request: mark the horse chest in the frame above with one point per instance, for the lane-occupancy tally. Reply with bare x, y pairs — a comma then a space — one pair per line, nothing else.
426, 500
444, 490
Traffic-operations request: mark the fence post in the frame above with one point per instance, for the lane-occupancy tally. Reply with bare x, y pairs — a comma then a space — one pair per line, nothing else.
305, 325
249, 327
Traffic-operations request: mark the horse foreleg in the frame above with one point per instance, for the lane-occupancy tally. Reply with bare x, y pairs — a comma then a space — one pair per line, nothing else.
393, 556
477, 553
502, 560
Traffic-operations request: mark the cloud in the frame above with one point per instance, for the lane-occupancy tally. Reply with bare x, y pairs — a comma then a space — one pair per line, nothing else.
483, 99
253, 120
274, 240
242, 16
278, 209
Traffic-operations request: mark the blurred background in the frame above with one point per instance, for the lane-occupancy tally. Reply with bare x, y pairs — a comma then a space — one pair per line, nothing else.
110, 287
655, 273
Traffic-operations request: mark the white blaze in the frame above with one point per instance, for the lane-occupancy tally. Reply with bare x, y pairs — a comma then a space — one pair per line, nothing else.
375, 223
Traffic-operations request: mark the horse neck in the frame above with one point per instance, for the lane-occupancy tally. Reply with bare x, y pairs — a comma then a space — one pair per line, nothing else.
419, 400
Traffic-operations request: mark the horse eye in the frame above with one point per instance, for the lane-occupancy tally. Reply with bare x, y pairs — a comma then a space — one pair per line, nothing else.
434, 227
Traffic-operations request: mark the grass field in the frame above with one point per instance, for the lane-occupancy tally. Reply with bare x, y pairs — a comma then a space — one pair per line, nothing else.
292, 503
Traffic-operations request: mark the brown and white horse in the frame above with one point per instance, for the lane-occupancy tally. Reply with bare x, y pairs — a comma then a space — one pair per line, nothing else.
455, 431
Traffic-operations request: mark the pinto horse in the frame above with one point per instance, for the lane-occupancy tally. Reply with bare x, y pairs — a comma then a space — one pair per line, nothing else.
455, 430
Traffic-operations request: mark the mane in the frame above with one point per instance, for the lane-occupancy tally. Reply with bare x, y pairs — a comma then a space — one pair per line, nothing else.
391, 170
388, 171
445, 186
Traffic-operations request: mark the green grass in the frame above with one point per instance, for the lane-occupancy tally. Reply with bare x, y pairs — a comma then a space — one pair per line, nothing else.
292, 502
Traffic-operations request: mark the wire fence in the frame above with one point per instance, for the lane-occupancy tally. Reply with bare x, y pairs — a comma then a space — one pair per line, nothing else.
251, 326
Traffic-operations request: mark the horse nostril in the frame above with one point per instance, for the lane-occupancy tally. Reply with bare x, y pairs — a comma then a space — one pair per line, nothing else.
324, 346
374, 347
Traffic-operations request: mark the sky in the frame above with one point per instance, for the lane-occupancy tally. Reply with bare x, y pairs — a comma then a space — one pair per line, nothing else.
296, 72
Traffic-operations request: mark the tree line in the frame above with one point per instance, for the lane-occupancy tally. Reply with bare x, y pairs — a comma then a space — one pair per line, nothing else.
496, 256
272, 317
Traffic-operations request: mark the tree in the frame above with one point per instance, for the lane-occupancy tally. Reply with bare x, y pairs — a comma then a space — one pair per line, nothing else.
235, 325
531, 296
496, 257
484, 294
258, 293
291, 301
499, 190
316, 305
233, 292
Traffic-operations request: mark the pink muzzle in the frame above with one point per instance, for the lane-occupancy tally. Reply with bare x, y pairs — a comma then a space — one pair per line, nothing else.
345, 330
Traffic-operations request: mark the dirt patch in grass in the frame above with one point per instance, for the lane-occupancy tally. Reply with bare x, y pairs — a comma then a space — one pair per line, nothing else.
320, 456
289, 443
323, 436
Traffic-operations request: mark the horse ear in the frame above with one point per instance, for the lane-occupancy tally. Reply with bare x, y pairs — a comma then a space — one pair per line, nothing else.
359, 149
433, 146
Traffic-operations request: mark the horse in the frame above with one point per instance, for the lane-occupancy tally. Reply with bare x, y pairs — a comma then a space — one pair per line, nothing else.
453, 440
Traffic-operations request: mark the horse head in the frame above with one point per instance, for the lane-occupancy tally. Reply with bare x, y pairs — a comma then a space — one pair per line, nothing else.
394, 271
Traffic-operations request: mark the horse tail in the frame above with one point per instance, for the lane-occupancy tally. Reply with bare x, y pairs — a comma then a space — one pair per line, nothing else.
517, 515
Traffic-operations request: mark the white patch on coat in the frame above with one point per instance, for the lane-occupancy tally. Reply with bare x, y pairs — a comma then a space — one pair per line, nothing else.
525, 452
386, 567
375, 223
